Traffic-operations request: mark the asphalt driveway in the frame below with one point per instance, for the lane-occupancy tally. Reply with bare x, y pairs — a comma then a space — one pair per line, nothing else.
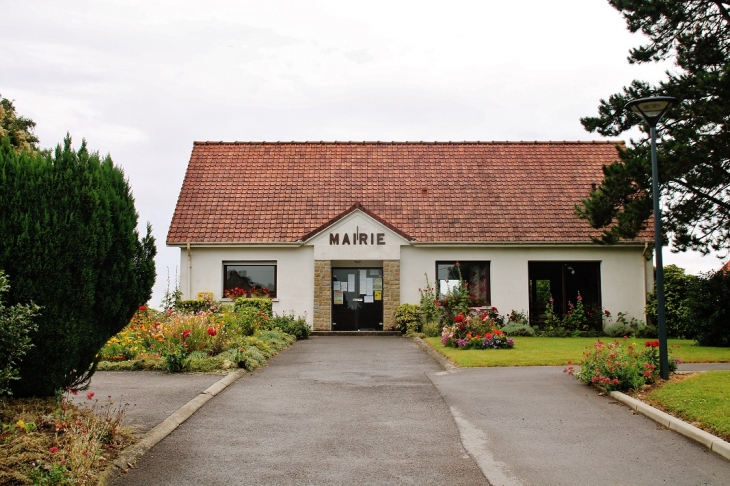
378, 410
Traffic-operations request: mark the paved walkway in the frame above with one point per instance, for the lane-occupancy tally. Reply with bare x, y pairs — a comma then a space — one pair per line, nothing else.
377, 410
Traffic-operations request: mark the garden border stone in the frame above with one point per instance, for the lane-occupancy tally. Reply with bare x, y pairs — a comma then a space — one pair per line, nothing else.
445, 364
129, 456
713, 443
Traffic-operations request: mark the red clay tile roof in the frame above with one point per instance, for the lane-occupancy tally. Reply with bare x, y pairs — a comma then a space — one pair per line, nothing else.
257, 192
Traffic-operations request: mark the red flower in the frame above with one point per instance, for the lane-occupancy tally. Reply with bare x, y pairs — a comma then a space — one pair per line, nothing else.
607, 312
142, 308
186, 333
53, 450
459, 318
212, 332
651, 344
90, 395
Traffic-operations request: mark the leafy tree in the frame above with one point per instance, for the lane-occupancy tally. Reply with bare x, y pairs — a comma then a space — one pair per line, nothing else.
18, 128
69, 241
694, 153
16, 323
677, 302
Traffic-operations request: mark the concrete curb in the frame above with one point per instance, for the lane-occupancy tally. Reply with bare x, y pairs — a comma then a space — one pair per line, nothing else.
445, 364
713, 443
132, 453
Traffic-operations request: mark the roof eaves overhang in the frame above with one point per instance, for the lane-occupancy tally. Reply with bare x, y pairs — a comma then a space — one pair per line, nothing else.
587, 244
218, 244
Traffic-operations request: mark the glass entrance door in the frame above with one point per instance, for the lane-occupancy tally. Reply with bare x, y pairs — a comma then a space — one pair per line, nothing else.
357, 299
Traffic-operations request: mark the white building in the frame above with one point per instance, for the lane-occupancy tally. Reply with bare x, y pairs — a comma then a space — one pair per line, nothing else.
345, 232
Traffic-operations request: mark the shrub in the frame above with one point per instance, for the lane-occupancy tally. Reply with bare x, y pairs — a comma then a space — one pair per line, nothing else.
518, 329
408, 318
617, 329
517, 317
260, 305
295, 326
626, 325
197, 305
678, 312
68, 238
16, 325
176, 358
710, 306
432, 329
617, 366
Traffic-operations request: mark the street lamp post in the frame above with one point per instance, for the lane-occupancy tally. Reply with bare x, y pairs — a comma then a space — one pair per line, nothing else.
652, 110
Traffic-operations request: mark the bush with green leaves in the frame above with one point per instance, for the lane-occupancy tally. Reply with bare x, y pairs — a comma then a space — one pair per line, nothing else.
291, 324
197, 305
626, 325
518, 329
620, 366
16, 326
408, 318
258, 304
69, 240
710, 307
677, 303
432, 329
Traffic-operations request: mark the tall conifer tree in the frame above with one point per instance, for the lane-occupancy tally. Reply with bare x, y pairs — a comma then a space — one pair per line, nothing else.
69, 243
694, 150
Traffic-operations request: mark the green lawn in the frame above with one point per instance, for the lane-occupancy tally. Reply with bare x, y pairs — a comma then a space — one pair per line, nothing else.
546, 351
702, 399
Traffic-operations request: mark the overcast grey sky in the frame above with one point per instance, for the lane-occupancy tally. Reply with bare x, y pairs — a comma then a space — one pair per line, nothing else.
142, 80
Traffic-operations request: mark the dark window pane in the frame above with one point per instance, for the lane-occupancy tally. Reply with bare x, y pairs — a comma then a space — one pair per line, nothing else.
476, 274
250, 276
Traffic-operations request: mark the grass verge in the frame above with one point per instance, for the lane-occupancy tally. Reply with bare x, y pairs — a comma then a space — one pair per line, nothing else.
549, 351
701, 399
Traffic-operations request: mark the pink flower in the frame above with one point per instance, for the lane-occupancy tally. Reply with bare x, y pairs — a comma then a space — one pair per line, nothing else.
186, 333
212, 332
90, 395
53, 450
552, 300
579, 297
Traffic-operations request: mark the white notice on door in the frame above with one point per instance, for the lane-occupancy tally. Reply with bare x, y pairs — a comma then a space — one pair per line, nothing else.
351, 282
363, 281
370, 286
336, 285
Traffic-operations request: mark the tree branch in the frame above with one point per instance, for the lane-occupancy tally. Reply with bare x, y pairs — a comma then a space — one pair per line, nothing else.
703, 195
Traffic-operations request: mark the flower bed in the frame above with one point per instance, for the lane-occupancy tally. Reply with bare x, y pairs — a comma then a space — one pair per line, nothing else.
475, 331
199, 341
620, 365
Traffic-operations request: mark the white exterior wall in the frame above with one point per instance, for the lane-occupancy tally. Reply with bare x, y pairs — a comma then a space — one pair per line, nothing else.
626, 275
623, 272
294, 274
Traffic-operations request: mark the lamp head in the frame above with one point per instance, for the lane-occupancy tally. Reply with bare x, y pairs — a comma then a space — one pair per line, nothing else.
652, 109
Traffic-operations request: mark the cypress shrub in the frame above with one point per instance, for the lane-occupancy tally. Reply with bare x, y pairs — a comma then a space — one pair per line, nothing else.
69, 243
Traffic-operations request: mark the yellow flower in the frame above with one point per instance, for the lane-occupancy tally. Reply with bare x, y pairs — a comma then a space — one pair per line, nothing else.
20, 424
